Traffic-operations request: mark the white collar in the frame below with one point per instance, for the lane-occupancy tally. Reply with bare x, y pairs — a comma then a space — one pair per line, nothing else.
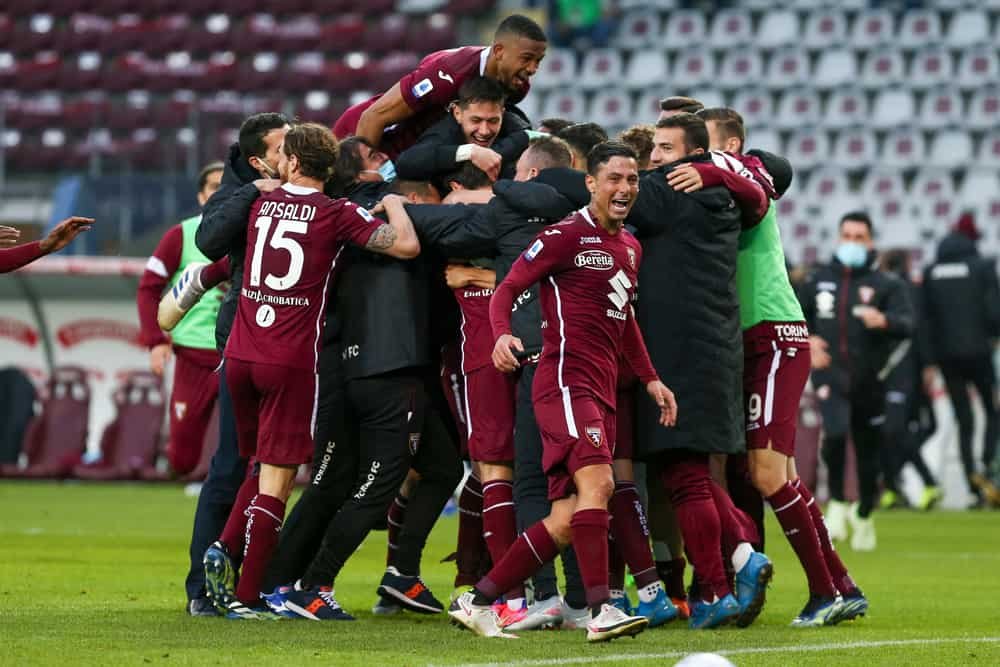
586, 216
297, 189
484, 55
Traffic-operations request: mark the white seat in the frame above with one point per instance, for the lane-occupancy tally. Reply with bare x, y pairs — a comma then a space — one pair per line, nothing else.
531, 106
984, 109
882, 68
988, 154
970, 27
798, 108
740, 67
872, 28
646, 68
639, 29
710, 97
936, 214
601, 68
611, 108
730, 27
978, 67
685, 28
853, 149
825, 28
779, 27
756, 107
788, 67
418, 6
846, 107
568, 104
978, 186
882, 183
919, 28
655, 4
892, 108
808, 148
903, 148
693, 68
791, 207
826, 183
558, 69
765, 140
896, 227
836, 67
647, 107
941, 108
930, 68
950, 149
930, 183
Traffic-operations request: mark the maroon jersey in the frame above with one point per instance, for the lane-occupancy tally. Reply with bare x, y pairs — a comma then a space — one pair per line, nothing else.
293, 240
587, 279
477, 338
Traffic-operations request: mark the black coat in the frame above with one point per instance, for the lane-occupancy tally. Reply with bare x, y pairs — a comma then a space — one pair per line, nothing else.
961, 302
689, 315
861, 358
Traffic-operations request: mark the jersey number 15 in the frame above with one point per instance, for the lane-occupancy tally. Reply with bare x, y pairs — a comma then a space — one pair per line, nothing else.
278, 241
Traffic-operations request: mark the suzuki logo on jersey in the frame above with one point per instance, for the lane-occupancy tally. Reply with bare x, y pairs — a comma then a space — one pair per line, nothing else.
423, 87
532, 252
620, 285
594, 435
596, 260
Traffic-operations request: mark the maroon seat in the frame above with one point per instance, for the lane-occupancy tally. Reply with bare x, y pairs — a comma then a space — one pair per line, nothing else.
57, 438
39, 73
343, 33
437, 33
390, 69
301, 33
386, 34
128, 444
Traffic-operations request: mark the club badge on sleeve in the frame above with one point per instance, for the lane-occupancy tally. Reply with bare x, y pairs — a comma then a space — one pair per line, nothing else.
594, 435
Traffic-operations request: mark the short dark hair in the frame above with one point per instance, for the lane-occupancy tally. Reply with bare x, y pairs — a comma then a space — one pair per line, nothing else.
582, 137
858, 216
316, 148
640, 139
728, 121
255, 128
547, 152
469, 176
695, 131
401, 186
209, 168
520, 26
681, 103
481, 89
602, 153
554, 125
349, 164
896, 260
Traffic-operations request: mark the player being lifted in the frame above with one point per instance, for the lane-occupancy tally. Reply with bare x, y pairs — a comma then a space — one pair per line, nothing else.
294, 237
587, 267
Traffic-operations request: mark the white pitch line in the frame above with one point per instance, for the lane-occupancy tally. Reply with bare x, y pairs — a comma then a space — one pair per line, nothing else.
794, 648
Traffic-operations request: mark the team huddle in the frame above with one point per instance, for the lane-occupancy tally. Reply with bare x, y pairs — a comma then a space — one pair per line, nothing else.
604, 328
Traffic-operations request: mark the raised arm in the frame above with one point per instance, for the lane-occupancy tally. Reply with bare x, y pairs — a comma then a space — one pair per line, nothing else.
387, 110
397, 238
746, 192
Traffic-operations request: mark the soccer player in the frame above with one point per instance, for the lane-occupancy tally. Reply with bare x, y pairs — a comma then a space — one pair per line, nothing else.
395, 119
293, 239
60, 237
587, 267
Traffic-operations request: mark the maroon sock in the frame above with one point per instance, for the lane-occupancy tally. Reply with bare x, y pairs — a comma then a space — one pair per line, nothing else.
499, 523
631, 533
394, 523
214, 273
736, 526
689, 484
590, 542
616, 563
672, 575
234, 533
793, 515
745, 495
838, 573
263, 526
468, 554
530, 551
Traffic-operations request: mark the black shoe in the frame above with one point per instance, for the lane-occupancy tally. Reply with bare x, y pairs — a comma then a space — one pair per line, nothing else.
410, 592
201, 607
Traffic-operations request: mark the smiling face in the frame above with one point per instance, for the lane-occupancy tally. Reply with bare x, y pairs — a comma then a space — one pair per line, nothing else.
517, 60
613, 191
267, 166
668, 146
480, 122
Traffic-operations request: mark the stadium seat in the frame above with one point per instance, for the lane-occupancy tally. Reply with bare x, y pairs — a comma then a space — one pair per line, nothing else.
639, 29
709, 96
646, 68
740, 67
601, 68
730, 27
930, 68
883, 183
39, 35
84, 32
903, 148
836, 67
978, 67
787, 68
897, 226
693, 67
38, 73
970, 27
419, 6
386, 34
930, 183
436, 33
756, 107
766, 140
344, 33
846, 107
988, 153
919, 28
568, 104
872, 28
950, 149
892, 108
531, 106
791, 207
133, 112
647, 107
978, 186
685, 28
558, 69
984, 109
129, 442
660, 5
853, 149
824, 29
798, 108
882, 69
611, 108
940, 109
304, 72
57, 438
387, 71
936, 215
808, 148
778, 27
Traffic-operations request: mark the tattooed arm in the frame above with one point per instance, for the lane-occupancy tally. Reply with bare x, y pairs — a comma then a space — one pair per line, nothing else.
397, 239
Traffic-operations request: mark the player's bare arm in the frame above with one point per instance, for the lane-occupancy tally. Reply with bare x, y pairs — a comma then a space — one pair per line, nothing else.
64, 233
463, 275
8, 236
389, 109
398, 238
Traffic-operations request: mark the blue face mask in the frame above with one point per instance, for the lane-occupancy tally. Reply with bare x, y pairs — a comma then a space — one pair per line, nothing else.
387, 171
851, 254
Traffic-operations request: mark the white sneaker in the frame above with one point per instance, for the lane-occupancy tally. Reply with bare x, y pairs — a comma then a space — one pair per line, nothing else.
612, 623
836, 520
863, 537
544, 614
482, 620
181, 297
574, 619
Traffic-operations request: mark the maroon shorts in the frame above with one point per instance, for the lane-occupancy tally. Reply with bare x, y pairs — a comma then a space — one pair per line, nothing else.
623, 446
775, 370
275, 410
489, 414
454, 393
577, 431
192, 399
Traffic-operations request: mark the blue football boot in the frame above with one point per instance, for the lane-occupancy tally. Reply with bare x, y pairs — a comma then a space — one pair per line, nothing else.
712, 615
819, 610
659, 611
751, 587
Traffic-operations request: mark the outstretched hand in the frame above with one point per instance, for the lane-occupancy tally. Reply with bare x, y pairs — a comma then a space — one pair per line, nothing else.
9, 236
664, 398
64, 233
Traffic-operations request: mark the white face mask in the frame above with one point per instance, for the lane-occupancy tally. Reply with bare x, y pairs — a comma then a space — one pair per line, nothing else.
268, 169
387, 171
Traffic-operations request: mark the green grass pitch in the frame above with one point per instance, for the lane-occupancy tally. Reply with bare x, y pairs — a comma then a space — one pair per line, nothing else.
93, 574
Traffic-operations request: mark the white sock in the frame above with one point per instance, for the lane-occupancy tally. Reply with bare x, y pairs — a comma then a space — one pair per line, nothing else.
742, 555
649, 593
661, 551
515, 604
